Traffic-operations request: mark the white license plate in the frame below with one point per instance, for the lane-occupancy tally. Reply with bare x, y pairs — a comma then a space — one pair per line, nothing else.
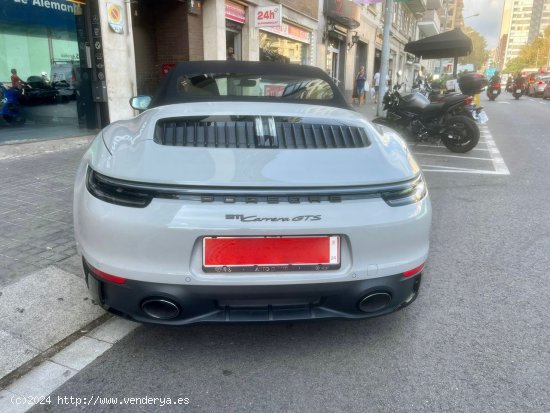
481, 117
518, 91
495, 92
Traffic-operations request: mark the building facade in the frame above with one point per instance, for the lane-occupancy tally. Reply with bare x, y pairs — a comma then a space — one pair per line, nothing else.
522, 22
112, 50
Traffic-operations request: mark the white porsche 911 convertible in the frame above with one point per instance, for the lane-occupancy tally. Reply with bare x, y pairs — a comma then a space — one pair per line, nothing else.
250, 192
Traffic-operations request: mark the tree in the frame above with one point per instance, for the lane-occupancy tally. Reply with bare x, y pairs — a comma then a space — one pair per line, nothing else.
479, 54
535, 54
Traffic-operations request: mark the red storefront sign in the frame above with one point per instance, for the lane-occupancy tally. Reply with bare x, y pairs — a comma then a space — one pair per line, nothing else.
235, 12
292, 32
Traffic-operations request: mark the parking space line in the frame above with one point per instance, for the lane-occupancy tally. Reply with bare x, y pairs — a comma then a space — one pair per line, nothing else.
443, 147
486, 138
498, 161
451, 169
454, 156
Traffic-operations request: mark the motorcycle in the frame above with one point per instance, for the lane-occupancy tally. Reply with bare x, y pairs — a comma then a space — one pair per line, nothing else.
431, 121
9, 106
469, 109
517, 91
493, 91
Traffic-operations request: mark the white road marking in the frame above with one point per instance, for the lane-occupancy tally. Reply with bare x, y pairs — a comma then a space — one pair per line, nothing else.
443, 147
454, 156
505, 103
498, 161
499, 165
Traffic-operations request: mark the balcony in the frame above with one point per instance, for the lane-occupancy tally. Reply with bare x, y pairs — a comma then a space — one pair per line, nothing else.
434, 4
416, 6
429, 24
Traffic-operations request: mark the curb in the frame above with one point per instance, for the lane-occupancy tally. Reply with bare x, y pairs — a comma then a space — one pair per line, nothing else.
18, 150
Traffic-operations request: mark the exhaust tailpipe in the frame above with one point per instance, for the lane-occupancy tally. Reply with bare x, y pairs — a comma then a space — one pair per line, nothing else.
160, 308
375, 302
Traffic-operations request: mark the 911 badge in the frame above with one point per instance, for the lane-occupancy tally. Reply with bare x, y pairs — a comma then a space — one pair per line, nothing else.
255, 218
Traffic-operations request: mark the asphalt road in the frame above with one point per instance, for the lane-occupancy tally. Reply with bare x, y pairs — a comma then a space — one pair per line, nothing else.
476, 340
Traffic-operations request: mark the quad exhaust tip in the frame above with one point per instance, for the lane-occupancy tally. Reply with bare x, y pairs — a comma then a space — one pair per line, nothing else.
160, 308
374, 302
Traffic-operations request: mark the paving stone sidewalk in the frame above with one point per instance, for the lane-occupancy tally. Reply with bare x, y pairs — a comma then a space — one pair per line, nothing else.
43, 297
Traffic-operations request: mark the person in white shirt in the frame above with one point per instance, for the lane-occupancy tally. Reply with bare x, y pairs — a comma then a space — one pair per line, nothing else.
376, 86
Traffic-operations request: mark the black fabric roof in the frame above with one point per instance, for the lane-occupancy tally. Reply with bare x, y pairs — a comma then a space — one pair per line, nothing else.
453, 43
168, 91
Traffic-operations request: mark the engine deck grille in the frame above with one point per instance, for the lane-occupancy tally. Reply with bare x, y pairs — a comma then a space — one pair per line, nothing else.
257, 132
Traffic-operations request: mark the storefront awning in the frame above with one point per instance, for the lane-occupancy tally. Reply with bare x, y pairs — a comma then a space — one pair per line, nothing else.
346, 13
453, 43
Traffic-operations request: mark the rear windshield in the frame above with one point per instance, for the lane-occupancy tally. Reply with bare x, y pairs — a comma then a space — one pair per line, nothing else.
224, 81
246, 85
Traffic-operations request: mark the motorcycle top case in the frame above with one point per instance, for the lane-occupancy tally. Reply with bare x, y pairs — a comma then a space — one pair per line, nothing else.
472, 83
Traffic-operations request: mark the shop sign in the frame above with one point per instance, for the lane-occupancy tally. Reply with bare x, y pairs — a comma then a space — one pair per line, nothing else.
269, 16
292, 32
235, 12
58, 14
114, 17
274, 90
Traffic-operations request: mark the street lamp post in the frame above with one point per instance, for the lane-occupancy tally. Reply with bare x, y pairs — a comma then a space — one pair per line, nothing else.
388, 16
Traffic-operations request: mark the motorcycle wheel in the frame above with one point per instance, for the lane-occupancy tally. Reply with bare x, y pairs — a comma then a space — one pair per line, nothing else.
461, 134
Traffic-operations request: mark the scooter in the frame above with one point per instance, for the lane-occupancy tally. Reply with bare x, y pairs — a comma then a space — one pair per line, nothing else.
517, 91
493, 91
9, 106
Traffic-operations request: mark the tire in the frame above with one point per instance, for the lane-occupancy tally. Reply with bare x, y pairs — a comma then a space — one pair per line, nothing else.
461, 134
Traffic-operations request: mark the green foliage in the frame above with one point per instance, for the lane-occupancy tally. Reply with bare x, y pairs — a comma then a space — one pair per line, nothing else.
479, 54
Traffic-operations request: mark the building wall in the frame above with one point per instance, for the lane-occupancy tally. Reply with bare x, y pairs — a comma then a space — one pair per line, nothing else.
120, 72
525, 25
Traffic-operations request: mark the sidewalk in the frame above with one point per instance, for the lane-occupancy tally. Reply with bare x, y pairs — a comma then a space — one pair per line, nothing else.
43, 297
368, 110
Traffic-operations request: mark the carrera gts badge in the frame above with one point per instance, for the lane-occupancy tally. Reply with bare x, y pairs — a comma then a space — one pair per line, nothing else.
254, 218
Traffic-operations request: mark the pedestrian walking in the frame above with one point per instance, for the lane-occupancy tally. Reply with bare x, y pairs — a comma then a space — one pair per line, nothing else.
376, 82
360, 80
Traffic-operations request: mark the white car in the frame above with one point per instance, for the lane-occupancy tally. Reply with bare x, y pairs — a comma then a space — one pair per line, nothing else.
250, 192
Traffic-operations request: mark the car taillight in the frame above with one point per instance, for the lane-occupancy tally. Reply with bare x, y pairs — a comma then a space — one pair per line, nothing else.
107, 277
107, 190
411, 195
469, 100
414, 271
540, 83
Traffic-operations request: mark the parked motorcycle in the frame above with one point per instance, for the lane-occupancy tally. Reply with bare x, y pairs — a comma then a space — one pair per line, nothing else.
493, 90
469, 109
517, 91
36, 91
431, 121
9, 106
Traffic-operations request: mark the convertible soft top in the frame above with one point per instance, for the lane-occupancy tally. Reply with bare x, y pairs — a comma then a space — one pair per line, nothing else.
220, 80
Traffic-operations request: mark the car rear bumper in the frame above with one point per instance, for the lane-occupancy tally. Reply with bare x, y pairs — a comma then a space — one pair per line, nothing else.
188, 304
